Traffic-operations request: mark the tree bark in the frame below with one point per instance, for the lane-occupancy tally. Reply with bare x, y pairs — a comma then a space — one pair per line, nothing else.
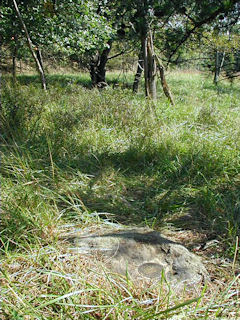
165, 86
20, 64
98, 67
216, 71
149, 63
145, 63
218, 65
0, 90
138, 72
0, 77
14, 57
40, 59
30, 45
152, 68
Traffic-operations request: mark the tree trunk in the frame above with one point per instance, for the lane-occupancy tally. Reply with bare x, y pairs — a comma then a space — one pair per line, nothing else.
145, 63
40, 59
216, 71
149, 64
150, 61
98, 67
139, 71
222, 62
165, 86
30, 45
14, 57
218, 65
152, 68
20, 64
0, 90
0, 77
0, 81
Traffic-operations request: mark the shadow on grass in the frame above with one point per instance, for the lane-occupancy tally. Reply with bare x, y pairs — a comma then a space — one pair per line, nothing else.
141, 186
138, 187
152, 186
64, 81
153, 190
57, 80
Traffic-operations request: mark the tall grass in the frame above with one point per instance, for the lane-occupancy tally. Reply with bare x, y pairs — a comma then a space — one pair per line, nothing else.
80, 156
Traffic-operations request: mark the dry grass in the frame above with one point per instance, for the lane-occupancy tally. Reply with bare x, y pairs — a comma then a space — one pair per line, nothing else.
54, 283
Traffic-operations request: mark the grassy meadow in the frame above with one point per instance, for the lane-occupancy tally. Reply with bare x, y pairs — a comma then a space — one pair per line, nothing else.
72, 156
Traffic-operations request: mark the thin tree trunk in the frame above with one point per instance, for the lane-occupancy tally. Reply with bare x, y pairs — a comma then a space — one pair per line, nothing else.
148, 51
222, 62
152, 68
139, 71
165, 86
20, 63
149, 64
40, 59
150, 60
30, 45
0, 80
0, 90
218, 65
14, 57
216, 71
145, 63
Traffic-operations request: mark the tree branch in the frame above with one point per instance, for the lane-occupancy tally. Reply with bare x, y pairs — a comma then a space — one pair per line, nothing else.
119, 54
198, 25
116, 55
186, 60
30, 45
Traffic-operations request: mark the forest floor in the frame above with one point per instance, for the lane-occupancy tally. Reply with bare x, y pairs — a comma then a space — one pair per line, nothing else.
79, 158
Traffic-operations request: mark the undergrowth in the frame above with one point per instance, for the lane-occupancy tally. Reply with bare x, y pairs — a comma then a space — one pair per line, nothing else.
81, 156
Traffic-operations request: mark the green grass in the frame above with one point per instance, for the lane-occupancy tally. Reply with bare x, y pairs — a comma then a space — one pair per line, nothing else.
80, 156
